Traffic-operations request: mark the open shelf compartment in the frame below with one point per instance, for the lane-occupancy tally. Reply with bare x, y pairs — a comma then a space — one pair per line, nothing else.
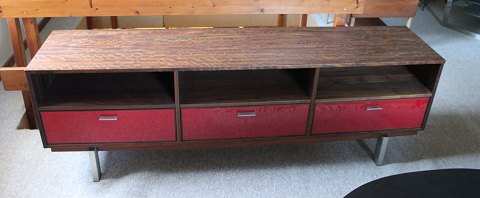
247, 87
104, 91
374, 83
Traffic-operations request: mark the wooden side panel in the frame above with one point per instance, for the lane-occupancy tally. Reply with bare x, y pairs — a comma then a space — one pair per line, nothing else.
389, 8
14, 78
62, 8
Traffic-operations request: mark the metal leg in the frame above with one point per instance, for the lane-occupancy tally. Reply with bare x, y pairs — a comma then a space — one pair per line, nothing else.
409, 22
352, 22
446, 12
95, 164
380, 150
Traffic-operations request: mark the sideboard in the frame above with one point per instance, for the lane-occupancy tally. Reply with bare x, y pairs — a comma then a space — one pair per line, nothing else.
109, 90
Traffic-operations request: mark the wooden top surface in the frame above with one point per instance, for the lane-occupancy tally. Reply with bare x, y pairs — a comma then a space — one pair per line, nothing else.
229, 49
69, 8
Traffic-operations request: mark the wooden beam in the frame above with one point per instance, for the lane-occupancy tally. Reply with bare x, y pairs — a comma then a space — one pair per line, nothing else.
27, 101
388, 8
89, 21
339, 20
11, 60
71, 8
21, 61
14, 78
17, 42
114, 21
304, 20
32, 35
282, 20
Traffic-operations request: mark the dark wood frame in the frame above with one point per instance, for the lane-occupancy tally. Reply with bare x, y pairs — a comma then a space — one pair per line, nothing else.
232, 143
427, 71
13, 10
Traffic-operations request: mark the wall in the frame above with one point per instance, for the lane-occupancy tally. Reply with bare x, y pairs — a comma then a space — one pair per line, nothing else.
5, 44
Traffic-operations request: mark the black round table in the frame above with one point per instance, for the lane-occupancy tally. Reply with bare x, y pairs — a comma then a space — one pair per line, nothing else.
451, 183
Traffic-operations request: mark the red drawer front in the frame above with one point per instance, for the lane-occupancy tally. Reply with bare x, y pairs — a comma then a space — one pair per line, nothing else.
109, 126
369, 115
244, 122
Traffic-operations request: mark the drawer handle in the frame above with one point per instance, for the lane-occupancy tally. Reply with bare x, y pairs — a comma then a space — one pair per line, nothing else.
108, 118
374, 108
246, 114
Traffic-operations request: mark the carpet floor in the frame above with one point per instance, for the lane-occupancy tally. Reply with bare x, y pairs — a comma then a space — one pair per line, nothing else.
333, 169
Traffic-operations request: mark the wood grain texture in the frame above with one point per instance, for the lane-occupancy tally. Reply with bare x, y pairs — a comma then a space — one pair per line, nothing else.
21, 61
339, 20
35, 99
14, 78
229, 49
107, 91
237, 87
282, 20
367, 83
389, 8
32, 35
430, 77
63, 8
17, 42
114, 21
11, 60
313, 88
304, 20
178, 111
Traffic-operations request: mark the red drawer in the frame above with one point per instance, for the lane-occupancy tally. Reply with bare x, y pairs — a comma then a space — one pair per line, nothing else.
244, 122
109, 126
369, 115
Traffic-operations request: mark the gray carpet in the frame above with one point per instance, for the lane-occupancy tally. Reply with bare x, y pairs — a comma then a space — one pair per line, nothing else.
451, 140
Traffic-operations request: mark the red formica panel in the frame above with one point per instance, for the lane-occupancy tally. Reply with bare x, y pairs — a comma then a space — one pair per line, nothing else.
109, 126
369, 115
244, 122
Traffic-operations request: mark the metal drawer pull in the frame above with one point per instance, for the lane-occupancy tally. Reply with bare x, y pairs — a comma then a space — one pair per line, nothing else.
108, 118
374, 108
246, 114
